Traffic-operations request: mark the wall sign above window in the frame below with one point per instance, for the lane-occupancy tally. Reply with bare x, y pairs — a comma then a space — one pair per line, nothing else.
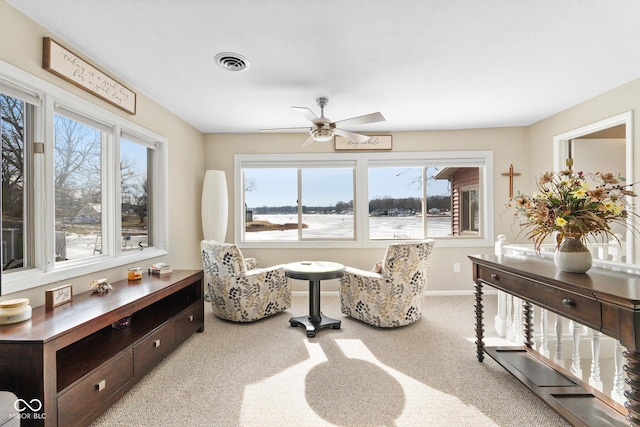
376, 142
65, 64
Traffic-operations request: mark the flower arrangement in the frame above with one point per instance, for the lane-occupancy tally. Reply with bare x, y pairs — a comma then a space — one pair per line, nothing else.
565, 202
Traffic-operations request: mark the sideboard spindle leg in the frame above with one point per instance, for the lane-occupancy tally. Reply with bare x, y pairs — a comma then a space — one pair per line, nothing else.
528, 324
632, 368
479, 322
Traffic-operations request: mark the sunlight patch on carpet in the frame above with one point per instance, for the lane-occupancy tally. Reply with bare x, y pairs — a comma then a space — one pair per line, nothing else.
306, 394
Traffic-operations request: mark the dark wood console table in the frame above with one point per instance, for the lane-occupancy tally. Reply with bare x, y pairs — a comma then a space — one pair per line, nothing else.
604, 300
68, 364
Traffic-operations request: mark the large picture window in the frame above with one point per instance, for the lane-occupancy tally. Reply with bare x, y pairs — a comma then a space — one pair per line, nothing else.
83, 189
365, 199
289, 204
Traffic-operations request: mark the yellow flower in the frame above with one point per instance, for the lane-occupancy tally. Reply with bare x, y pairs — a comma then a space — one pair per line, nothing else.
608, 205
561, 222
579, 193
618, 208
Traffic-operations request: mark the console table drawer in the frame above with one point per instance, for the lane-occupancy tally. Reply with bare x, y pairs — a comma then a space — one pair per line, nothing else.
148, 352
74, 405
567, 304
188, 322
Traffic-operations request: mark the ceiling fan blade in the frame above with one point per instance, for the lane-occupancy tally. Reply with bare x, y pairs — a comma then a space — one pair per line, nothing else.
308, 114
358, 137
360, 120
308, 141
306, 128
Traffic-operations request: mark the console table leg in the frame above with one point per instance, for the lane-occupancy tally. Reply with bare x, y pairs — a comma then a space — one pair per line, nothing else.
632, 368
528, 326
479, 322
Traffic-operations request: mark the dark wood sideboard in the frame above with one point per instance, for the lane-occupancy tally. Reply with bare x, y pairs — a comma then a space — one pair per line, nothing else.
604, 300
68, 364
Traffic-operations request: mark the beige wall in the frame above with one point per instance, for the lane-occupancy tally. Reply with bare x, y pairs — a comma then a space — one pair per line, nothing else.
617, 101
21, 46
508, 146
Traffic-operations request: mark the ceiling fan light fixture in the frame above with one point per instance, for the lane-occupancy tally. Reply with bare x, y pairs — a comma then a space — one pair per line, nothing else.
322, 134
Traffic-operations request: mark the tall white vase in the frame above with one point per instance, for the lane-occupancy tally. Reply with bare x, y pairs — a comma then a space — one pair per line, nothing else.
215, 206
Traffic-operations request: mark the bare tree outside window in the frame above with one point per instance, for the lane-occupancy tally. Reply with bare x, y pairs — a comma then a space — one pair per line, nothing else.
134, 185
78, 189
12, 120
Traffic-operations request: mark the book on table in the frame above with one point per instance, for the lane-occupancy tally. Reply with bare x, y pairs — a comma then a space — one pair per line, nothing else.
160, 268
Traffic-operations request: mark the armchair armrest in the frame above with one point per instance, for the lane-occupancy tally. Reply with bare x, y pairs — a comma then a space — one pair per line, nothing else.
251, 263
363, 273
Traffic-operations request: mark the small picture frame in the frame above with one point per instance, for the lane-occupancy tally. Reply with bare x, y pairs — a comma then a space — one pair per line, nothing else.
58, 296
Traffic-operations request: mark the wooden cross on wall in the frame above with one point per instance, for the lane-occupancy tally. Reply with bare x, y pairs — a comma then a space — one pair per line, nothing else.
511, 174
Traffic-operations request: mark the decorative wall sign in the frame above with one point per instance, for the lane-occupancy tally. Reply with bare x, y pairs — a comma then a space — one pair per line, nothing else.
69, 66
376, 142
57, 296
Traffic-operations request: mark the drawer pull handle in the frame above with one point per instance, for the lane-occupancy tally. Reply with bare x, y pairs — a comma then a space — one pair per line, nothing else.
494, 276
101, 385
156, 343
191, 318
567, 302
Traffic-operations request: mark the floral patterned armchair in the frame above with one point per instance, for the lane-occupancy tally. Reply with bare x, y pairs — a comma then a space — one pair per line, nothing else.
237, 289
391, 295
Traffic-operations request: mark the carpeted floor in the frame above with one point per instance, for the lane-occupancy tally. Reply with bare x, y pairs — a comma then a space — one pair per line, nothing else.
270, 374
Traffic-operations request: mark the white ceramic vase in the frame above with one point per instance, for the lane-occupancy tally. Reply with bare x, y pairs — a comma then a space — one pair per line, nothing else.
572, 256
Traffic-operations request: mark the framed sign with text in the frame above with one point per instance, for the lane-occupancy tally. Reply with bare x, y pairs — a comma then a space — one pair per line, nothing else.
67, 65
58, 296
375, 142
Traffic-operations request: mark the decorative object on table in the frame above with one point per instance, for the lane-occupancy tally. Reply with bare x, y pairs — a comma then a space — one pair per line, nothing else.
567, 204
393, 297
14, 311
134, 273
101, 286
122, 323
215, 206
58, 296
237, 289
160, 268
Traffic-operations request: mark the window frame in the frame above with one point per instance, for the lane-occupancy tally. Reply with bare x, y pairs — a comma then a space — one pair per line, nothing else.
45, 270
471, 158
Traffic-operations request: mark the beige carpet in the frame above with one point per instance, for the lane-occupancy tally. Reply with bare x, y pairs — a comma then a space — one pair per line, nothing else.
269, 374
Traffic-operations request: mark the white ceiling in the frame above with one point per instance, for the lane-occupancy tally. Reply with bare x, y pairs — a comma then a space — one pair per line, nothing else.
431, 64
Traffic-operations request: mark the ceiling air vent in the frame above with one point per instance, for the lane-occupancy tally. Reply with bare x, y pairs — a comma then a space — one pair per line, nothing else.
232, 61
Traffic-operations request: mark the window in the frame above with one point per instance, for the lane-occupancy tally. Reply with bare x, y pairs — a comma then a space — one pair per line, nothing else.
78, 188
87, 195
135, 193
16, 122
470, 210
288, 204
395, 203
364, 198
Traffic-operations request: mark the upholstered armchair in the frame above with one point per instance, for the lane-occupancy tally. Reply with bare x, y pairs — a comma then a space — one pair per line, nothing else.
391, 294
237, 289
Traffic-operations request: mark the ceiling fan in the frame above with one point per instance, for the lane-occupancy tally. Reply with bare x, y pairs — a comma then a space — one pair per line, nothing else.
324, 129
